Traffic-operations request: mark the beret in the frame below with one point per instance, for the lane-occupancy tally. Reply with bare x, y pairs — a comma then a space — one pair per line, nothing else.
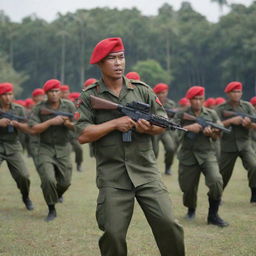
29, 102
20, 102
64, 88
161, 87
233, 86
6, 87
184, 102
219, 100
51, 84
195, 91
74, 96
253, 100
210, 102
89, 82
37, 91
133, 75
105, 47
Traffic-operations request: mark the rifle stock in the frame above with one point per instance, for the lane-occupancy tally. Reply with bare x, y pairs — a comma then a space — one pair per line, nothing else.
99, 103
227, 113
46, 111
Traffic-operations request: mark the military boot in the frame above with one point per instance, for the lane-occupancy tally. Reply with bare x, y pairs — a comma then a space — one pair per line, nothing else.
191, 214
52, 214
253, 197
168, 170
213, 217
28, 203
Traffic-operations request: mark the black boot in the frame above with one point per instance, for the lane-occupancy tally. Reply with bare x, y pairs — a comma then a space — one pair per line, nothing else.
191, 214
28, 203
60, 199
168, 170
52, 214
213, 217
253, 197
79, 167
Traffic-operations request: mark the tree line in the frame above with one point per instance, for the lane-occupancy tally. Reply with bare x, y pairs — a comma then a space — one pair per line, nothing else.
181, 48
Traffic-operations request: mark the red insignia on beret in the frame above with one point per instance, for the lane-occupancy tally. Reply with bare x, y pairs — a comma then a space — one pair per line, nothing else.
161, 87
195, 91
133, 75
37, 92
64, 88
51, 84
105, 47
219, 100
210, 102
6, 87
233, 86
253, 100
184, 102
158, 101
89, 82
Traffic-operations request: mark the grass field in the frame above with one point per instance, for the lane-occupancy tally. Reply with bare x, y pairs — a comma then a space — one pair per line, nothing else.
75, 233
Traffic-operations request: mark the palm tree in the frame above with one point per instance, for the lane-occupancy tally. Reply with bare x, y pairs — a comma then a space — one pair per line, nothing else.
221, 4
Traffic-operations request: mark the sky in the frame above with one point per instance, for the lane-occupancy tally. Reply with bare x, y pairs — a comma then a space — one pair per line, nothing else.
47, 9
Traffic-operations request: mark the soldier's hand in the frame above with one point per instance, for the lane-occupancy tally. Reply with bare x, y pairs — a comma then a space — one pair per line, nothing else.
67, 122
4, 122
124, 124
207, 131
58, 120
14, 123
196, 128
246, 122
143, 126
237, 120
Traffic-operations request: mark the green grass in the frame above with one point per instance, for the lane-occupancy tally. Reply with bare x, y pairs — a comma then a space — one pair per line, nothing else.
75, 232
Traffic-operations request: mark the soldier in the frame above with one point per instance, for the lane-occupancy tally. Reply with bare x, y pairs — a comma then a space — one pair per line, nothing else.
219, 101
237, 143
183, 102
65, 91
10, 147
253, 132
54, 165
197, 155
89, 81
133, 76
168, 138
125, 171
210, 103
38, 95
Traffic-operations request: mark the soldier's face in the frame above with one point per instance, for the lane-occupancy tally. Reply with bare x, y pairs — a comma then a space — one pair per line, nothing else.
65, 94
38, 98
53, 96
162, 96
197, 102
6, 98
235, 95
113, 65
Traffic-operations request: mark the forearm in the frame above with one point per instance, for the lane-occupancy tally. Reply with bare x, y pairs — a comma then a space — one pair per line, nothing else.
155, 130
94, 132
227, 122
24, 127
41, 127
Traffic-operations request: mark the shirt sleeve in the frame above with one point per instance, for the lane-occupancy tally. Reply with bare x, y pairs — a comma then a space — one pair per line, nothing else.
34, 117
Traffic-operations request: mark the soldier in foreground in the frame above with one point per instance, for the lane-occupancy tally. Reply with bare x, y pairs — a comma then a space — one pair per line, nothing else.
253, 132
197, 155
125, 170
10, 147
54, 166
237, 143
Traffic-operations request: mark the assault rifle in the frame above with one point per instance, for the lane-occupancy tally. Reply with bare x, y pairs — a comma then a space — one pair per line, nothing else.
135, 110
227, 113
171, 111
46, 111
11, 116
204, 123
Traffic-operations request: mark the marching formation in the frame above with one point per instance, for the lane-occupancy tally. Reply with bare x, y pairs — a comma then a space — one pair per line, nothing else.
124, 120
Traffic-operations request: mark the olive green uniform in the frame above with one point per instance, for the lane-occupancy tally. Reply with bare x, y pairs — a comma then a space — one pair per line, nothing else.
197, 155
237, 144
169, 140
11, 151
126, 171
54, 166
76, 148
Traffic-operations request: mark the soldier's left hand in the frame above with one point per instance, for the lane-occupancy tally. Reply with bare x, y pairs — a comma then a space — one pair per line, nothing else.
207, 131
143, 126
246, 122
15, 123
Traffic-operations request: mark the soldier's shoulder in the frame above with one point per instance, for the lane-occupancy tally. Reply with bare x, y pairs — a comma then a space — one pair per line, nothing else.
222, 106
90, 87
67, 102
244, 102
17, 106
139, 83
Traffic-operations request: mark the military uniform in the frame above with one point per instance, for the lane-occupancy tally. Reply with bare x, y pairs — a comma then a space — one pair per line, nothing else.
237, 144
11, 151
54, 166
197, 155
128, 170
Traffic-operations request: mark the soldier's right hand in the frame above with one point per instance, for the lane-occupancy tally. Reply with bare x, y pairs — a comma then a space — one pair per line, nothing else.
58, 120
4, 122
196, 128
237, 120
124, 124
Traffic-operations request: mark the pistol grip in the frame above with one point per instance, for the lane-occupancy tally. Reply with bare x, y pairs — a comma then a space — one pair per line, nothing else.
127, 136
10, 129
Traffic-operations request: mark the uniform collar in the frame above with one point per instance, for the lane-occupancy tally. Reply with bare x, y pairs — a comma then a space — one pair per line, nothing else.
11, 106
203, 111
231, 107
49, 105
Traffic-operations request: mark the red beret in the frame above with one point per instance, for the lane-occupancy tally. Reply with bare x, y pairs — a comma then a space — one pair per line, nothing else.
210, 102
51, 84
74, 95
219, 100
29, 102
6, 87
184, 102
253, 100
133, 75
233, 86
89, 82
20, 102
37, 92
105, 47
64, 88
160, 88
195, 91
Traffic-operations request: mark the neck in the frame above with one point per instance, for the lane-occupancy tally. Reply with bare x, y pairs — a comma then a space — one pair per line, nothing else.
197, 112
5, 107
234, 103
114, 85
55, 105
